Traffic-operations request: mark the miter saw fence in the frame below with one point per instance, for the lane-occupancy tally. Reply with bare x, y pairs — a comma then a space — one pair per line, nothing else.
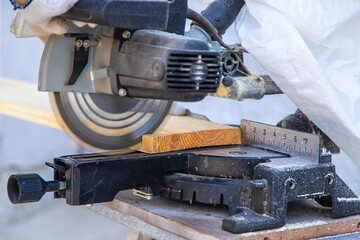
255, 180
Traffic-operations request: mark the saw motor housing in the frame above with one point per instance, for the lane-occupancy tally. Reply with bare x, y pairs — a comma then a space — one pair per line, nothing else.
155, 62
172, 66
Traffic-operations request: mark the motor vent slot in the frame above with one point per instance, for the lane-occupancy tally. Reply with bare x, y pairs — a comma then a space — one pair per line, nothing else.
194, 71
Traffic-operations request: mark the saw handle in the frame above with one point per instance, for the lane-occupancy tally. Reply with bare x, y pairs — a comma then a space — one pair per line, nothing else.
222, 13
87, 11
126, 14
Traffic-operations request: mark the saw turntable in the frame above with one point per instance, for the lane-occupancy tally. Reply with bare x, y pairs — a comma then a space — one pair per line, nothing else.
114, 78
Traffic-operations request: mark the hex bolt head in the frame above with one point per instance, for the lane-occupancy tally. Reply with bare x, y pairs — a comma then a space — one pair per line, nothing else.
122, 92
126, 34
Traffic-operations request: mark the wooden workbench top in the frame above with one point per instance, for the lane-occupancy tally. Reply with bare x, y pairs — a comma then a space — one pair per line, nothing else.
199, 221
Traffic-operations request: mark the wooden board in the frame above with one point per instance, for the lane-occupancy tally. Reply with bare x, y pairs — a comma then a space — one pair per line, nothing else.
22, 100
186, 132
204, 222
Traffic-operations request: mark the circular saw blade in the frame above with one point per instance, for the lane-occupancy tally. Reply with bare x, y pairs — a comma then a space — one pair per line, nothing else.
108, 122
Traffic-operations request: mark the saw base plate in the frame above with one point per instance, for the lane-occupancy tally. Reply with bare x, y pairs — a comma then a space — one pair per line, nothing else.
255, 183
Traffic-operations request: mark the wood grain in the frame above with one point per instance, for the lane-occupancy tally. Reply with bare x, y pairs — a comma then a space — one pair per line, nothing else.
186, 132
22, 100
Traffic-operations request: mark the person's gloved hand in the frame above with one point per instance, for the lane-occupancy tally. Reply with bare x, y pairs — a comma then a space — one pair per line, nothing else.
43, 13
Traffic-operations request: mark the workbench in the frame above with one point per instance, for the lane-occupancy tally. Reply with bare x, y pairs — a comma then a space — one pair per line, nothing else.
170, 219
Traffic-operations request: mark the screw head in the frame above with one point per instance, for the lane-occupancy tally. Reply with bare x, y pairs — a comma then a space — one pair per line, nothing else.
126, 34
122, 92
78, 43
324, 152
86, 43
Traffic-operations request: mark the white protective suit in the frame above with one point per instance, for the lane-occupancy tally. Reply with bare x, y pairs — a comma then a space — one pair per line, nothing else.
39, 18
311, 49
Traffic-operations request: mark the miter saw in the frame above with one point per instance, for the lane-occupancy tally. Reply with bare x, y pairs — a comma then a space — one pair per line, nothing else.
117, 70
114, 77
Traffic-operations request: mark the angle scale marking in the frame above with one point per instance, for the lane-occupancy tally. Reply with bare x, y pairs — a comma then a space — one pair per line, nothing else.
281, 139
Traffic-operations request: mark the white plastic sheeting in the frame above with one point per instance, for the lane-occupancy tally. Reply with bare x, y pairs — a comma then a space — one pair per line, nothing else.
311, 49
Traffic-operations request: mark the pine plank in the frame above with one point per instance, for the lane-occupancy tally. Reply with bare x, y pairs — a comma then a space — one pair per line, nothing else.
21, 100
183, 132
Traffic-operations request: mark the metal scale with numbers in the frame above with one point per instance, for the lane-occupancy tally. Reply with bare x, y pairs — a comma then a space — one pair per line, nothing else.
255, 180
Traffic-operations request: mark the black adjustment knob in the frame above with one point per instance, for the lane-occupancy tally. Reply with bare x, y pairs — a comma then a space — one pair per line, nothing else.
25, 188
227, 81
